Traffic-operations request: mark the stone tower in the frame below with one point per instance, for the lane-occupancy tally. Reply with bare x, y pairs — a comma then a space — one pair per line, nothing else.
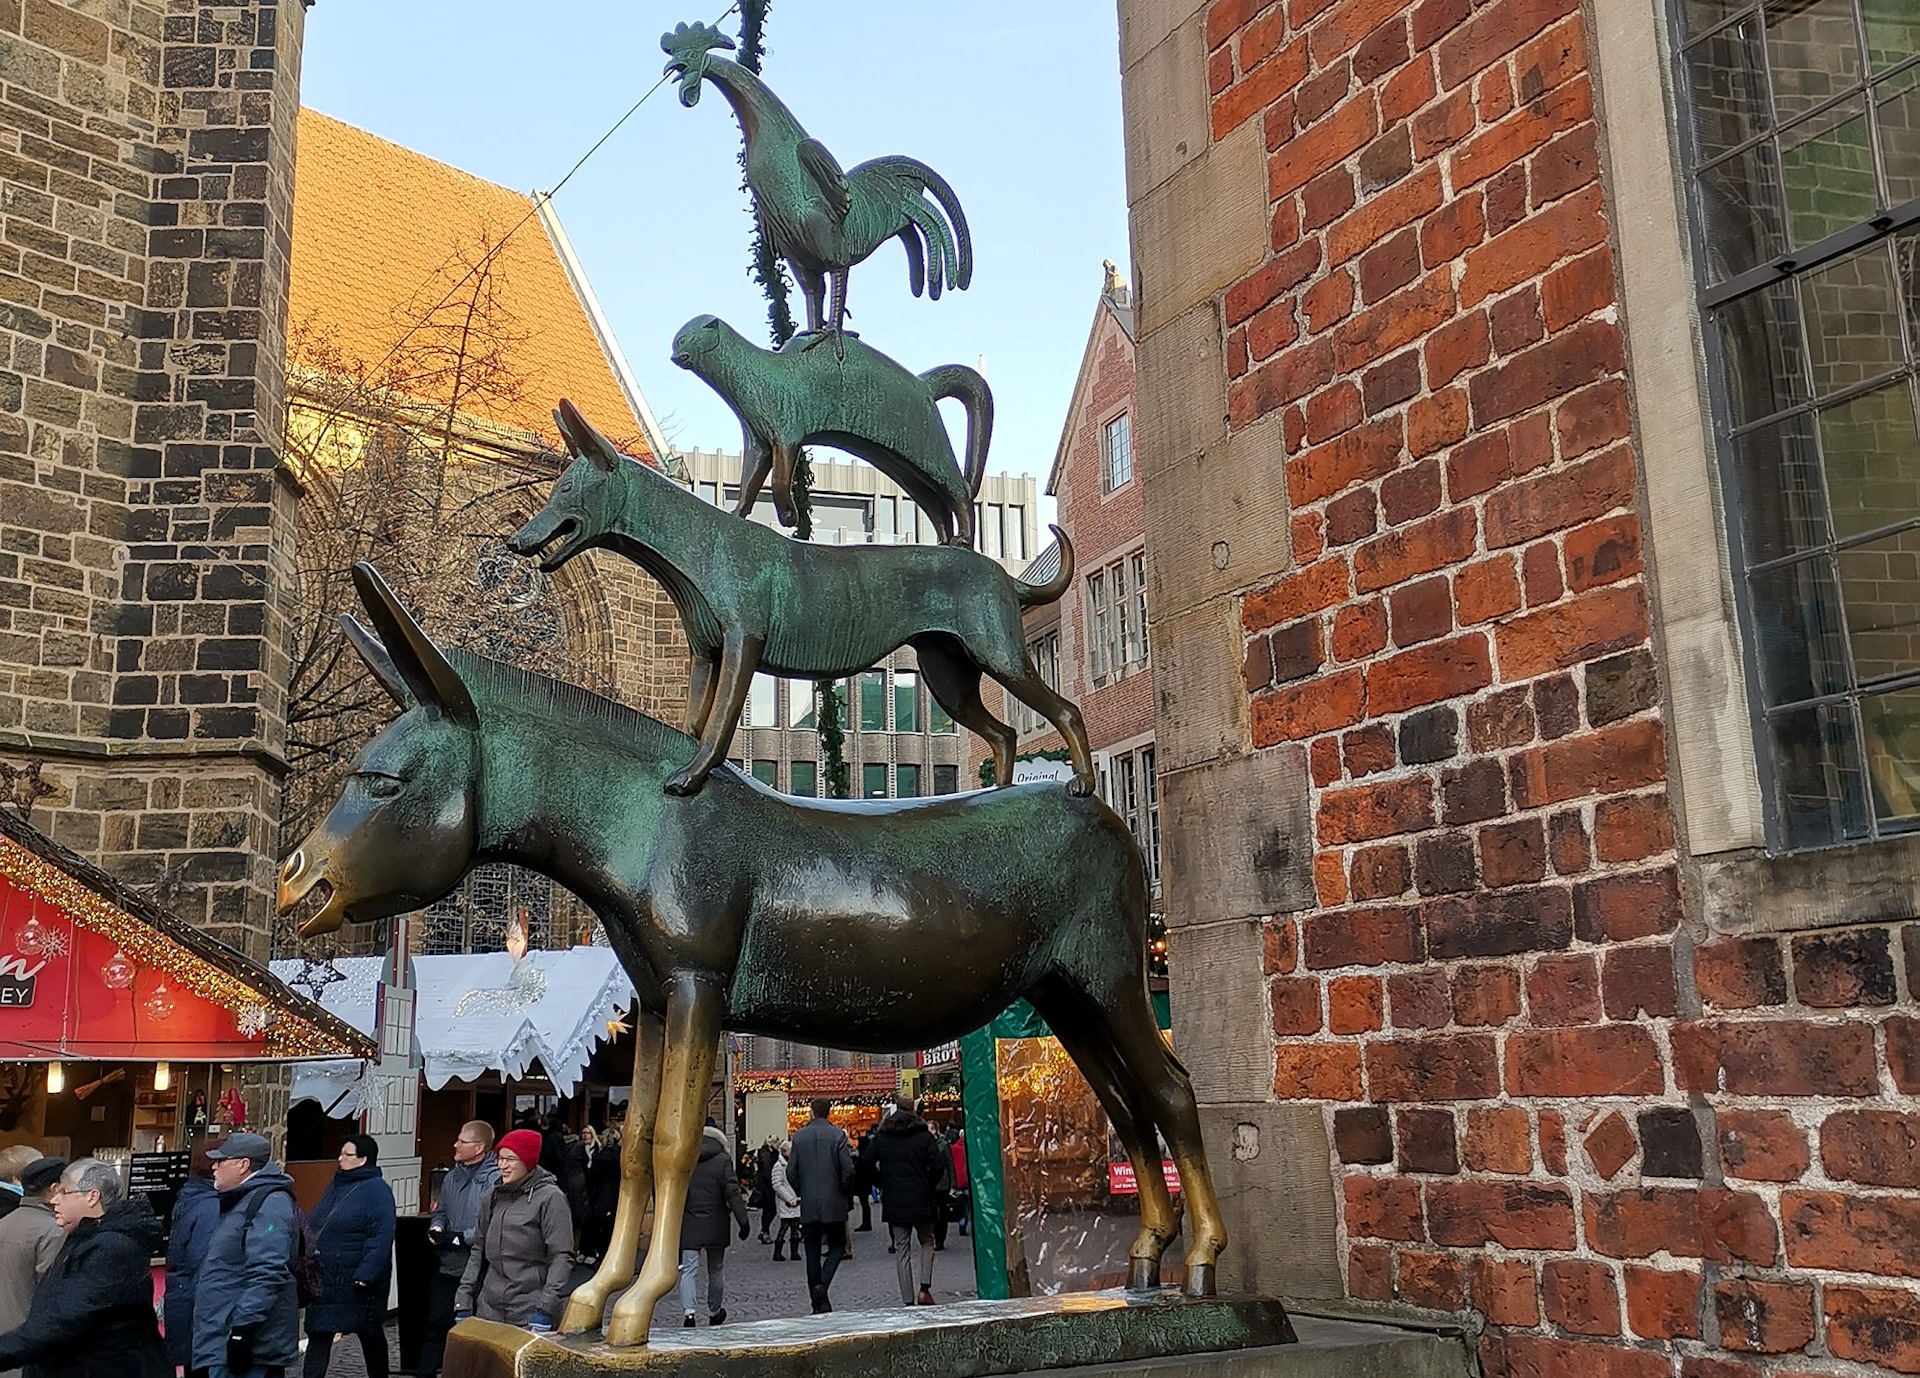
146, 165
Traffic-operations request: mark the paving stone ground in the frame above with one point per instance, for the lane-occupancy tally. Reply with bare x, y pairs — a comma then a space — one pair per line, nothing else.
759, 1289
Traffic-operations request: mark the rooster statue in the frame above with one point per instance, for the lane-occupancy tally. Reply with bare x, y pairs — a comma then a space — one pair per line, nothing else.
821, 220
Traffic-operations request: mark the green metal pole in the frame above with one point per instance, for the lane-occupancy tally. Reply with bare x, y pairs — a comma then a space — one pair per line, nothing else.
980, 1095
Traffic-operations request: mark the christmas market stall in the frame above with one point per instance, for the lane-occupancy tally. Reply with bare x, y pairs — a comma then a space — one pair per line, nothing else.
124, 1030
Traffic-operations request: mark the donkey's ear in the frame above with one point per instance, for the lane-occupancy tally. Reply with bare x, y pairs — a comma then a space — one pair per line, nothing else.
583, 439
385, 672
424, 671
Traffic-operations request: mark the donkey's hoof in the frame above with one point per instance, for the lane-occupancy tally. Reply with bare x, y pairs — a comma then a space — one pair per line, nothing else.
582, 1315
1143, 1274
1200, 1280
626, 1331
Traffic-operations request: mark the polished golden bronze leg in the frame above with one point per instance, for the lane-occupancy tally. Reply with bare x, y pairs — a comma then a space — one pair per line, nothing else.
694, 1012
588, 1304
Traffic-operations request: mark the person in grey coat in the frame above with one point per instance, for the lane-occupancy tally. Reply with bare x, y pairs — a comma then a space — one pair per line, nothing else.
821, 1170
456, 1214
246, 1308
30, 1239
713, 1193
522, 1255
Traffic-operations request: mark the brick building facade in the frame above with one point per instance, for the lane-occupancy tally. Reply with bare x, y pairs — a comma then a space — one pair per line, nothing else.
1525, 418
1092, 644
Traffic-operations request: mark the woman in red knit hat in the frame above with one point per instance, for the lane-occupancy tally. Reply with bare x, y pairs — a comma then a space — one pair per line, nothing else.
522, 1253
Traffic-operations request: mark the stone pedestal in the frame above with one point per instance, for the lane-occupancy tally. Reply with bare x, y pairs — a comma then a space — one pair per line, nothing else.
971, 1339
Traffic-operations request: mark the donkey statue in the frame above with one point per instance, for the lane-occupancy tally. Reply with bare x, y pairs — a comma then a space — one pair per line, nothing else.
880, 926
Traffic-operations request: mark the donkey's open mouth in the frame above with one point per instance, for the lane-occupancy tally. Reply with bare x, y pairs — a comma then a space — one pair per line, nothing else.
307, 897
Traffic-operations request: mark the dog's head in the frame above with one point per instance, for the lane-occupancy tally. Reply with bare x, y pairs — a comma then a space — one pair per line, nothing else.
586, 502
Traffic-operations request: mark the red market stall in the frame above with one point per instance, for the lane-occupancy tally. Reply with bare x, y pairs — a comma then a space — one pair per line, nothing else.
111, 993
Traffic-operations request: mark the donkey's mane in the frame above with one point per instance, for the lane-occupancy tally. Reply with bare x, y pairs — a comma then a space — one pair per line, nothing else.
497, 683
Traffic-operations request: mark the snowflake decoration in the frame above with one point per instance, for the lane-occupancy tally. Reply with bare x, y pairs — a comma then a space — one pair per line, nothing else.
252, 1020
54, 943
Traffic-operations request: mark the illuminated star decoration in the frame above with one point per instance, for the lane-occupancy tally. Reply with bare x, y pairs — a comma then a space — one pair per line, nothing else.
617, 1025
316, 975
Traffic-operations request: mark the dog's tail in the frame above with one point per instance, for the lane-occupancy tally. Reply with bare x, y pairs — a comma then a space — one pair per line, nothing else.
1033, 595
970, 390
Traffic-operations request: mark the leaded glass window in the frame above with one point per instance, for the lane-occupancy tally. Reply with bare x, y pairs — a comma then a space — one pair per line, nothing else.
1804, 155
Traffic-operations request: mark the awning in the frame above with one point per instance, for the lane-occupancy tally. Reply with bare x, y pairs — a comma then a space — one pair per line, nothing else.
476, 1013
481, 1011
354, 997
92, 971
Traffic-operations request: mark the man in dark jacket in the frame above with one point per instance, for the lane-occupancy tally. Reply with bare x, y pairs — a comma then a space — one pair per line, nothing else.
92, 1316
763, 1162
713, 1193
474, 1173
246, 1309
906, 1162
821, 1171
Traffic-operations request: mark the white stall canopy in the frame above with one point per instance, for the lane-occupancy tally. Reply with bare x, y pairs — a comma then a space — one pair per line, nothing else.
476, 1012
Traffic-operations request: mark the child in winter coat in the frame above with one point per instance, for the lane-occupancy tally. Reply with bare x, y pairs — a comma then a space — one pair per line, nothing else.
786, 1205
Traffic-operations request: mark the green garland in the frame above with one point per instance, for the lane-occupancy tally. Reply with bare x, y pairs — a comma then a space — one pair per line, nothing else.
771, 275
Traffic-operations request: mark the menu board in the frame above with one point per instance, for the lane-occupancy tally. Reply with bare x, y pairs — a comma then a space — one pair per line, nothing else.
158, 1177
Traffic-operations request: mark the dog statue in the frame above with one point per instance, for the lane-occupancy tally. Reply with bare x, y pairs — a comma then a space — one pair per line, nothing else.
753, 600
865, 404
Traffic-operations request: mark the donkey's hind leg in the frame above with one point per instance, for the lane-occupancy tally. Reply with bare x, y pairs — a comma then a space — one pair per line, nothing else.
954, 681
1077, 1027
1164, 1086
588, 1304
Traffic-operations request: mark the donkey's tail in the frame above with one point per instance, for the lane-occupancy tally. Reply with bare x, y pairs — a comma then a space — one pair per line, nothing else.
971, 391
1033, 595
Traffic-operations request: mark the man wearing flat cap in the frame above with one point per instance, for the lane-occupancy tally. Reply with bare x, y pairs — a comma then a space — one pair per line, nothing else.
30, 1239
246, 1309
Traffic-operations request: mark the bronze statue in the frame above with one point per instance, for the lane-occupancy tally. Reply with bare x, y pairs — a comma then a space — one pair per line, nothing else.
751, 599
879, 926
821, 220
859, 400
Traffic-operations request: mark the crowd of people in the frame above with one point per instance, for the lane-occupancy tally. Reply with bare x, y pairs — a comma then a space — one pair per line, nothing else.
247, 1273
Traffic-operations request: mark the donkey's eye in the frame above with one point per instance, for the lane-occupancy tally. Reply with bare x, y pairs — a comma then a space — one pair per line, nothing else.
382, 786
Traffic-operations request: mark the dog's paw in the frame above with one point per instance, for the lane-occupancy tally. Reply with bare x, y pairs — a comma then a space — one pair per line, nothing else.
1081, 785
686, 781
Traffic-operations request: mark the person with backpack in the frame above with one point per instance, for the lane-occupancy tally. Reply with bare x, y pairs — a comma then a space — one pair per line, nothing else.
196, 1210
246, 1301
351, 1236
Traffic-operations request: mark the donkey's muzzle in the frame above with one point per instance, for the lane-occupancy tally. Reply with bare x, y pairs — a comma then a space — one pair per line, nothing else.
302, 880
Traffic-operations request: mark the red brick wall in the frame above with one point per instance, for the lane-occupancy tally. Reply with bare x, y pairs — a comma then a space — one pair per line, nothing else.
1632, 1149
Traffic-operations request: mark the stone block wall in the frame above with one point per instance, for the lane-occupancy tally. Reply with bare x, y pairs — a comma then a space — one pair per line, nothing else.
147, 156
1565, 1089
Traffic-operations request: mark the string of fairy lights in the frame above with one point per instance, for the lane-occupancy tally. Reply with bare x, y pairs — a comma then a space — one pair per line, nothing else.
139, 945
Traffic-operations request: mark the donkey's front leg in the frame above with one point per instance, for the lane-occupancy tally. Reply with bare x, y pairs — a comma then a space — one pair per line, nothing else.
694, 1011
588, 1304
739, 658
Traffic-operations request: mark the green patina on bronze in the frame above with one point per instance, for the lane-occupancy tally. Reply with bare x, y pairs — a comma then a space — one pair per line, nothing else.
753, 600
962, 1340
858, 400
878, 926
820, 219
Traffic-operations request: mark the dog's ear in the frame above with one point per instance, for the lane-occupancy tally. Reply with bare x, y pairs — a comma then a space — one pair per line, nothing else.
583, 440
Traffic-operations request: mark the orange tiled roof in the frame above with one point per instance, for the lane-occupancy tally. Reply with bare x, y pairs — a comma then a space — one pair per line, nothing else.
378, 236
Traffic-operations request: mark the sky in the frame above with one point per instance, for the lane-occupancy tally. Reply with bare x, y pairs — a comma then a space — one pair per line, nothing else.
1015, 102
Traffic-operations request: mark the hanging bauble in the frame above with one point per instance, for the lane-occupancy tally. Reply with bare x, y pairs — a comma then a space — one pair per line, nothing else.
31, 940
119, 971
159, 1004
